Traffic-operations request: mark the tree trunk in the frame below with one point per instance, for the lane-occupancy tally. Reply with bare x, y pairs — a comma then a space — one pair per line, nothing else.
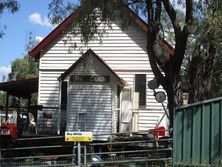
201, 75
171, 103
166, 83
173, 64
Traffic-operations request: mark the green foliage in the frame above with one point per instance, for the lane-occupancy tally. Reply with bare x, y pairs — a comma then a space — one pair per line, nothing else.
59, 10
92, 18
10, 5
2, 99
203, 63
23, 68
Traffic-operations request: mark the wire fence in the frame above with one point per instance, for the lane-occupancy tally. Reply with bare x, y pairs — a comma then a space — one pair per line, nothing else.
131, 153
119, 151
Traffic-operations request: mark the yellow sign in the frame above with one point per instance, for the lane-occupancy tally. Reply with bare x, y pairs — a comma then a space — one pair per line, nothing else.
71, 136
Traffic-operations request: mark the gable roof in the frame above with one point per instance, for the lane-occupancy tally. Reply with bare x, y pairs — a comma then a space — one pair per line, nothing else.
120, 81
35, 52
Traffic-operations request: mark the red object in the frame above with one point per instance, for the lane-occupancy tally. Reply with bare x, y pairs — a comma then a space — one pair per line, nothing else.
158, 132
9, 130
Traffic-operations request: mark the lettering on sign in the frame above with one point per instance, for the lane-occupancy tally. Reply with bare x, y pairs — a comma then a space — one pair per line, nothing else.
89, 78
78, 136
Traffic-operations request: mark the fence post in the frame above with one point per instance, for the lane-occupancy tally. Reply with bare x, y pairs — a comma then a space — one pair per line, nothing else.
85, 156
79, 154
74, 154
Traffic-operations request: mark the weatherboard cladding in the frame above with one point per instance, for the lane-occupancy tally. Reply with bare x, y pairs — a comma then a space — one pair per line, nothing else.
95, 100
123, 51
118, 51
36, 52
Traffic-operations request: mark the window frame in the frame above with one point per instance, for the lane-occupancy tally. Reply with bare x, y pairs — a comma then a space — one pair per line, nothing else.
141, 88
64, 95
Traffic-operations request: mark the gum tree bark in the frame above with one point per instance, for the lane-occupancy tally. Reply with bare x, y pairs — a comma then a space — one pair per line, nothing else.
171, 68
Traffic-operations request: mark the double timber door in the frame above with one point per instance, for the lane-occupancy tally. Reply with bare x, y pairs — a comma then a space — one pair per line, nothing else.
89, 108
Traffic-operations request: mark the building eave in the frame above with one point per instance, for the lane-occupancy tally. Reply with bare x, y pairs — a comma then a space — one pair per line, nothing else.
20, 88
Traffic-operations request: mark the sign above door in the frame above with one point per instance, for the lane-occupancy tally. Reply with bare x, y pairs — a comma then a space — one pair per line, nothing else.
89, 78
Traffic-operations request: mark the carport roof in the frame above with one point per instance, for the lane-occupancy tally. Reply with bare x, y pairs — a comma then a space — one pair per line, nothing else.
20, 88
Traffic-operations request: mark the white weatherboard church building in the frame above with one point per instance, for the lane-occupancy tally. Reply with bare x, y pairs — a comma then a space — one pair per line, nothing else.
92, 88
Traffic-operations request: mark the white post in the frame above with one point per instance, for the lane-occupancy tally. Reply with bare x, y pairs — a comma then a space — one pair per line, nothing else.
59, 106
79, 154
135, 120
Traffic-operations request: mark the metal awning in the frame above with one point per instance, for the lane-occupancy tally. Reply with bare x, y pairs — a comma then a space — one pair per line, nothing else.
20, 88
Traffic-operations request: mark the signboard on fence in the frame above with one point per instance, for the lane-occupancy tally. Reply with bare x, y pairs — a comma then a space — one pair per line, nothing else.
71, 136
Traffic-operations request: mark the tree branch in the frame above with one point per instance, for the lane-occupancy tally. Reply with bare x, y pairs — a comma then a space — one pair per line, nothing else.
181, 38
131, 2
158, 12
151, 38
172, 14
189, 12
150, 11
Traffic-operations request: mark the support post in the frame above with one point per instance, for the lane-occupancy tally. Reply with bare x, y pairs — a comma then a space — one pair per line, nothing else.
85, 156
18, 113
135, 119
6, 107
59, 106
28, 110
74, 153
79, 154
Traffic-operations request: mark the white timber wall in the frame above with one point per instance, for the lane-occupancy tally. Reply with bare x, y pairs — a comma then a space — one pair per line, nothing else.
123, 51
95, 99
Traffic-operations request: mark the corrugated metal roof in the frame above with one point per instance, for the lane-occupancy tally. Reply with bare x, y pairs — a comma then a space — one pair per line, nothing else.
20, 88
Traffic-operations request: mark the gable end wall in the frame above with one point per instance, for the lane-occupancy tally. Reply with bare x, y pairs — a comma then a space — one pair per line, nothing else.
123, 51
